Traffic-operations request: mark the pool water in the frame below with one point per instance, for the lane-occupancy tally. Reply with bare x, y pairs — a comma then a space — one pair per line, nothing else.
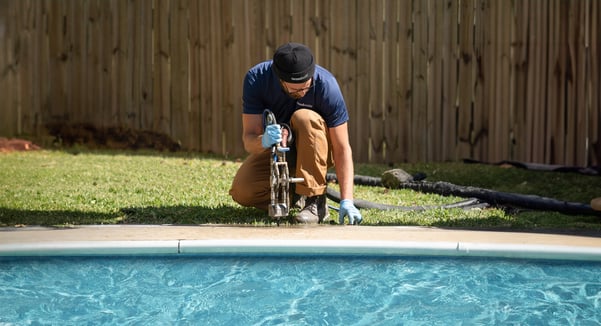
274, 290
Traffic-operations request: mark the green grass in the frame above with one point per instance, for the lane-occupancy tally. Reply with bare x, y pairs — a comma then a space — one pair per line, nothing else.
60, 188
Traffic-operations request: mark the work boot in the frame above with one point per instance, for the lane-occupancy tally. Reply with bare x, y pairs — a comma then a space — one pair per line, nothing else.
315, 211
298, 201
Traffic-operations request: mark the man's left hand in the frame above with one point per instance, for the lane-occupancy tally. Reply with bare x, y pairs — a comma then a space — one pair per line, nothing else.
347, 207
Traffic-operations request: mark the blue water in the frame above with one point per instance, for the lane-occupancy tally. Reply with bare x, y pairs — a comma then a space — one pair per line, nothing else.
200, 290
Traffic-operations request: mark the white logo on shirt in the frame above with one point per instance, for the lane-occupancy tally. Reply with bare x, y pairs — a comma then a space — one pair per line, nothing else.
304, 105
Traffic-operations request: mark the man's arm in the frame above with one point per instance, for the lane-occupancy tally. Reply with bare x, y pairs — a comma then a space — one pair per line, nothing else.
343, 159
252, 132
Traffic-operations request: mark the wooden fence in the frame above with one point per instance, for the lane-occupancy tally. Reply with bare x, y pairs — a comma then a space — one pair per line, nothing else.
424, 80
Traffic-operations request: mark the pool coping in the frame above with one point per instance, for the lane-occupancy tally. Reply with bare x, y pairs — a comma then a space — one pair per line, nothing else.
299, 240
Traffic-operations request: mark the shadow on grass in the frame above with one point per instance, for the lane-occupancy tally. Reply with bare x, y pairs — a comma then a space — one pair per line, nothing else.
194, 215
137, 215
533, 222
12, 217
528, 222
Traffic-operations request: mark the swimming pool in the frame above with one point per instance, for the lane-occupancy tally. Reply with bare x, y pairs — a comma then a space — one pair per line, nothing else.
326, 289
299, 276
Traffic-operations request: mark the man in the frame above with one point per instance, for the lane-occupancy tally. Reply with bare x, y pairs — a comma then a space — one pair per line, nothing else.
307, 98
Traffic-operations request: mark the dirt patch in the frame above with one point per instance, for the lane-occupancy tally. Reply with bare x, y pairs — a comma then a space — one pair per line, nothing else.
68, 135
110, 138
14, 144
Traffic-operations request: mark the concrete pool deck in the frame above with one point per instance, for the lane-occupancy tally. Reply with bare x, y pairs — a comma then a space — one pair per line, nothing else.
321, 239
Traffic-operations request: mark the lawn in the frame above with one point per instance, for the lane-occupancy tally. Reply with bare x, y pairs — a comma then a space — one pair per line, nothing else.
64, 188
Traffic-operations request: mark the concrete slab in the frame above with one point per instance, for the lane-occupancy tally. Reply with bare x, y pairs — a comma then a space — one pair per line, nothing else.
320, 239
318, 232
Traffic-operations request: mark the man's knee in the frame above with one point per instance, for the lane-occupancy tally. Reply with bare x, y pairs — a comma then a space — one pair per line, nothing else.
240, 197
249, 196
308, 119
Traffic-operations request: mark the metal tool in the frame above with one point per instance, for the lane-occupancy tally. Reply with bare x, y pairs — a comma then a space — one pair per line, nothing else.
280, 176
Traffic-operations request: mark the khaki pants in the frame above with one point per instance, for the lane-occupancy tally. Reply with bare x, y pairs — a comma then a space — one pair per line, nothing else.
310, 150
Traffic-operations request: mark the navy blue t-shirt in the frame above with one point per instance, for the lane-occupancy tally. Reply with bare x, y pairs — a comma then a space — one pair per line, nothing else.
262, 90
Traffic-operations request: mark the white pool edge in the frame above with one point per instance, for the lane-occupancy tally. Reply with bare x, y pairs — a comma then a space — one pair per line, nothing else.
300, 247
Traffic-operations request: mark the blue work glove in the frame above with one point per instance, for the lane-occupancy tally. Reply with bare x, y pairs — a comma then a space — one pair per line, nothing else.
347, 207
272, 135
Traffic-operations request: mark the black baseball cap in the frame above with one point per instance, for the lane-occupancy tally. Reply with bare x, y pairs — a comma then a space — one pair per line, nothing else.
293, 63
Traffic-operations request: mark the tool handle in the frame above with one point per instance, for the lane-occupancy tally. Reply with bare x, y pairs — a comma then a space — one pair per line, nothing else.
269, 117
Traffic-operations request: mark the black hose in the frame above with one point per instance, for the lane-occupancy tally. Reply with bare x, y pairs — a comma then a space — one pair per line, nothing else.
359, 180
502, 198
482, 197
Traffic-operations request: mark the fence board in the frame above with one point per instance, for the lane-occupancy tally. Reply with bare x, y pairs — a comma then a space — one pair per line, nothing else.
519, 70
482, 79
25, 69
361, 131
322, 38
195, 73
433, 81
6, 124
76, 39
580, 143
503, 84
496, 109
143, 60
296, 18
398, 121
311, 24
572, 89
255, 16
162, 78
420, 91
120, 72
538, 122
531, 76
231, 69
349, 83
466, 81
514, 63
206, 125
35, 85
130, 104
565, 75
271, 28
340, 56
595, 85
375, 82
242, 62
8, 73
550, 104
391, 91
58, 53
449, 91
107, 47
181, 129
337, 13
216, 64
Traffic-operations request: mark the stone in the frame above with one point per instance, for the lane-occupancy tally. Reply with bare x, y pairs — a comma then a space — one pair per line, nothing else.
392, 178
596, 204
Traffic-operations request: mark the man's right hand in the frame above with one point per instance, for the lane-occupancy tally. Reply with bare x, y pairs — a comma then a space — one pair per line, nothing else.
271, 136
